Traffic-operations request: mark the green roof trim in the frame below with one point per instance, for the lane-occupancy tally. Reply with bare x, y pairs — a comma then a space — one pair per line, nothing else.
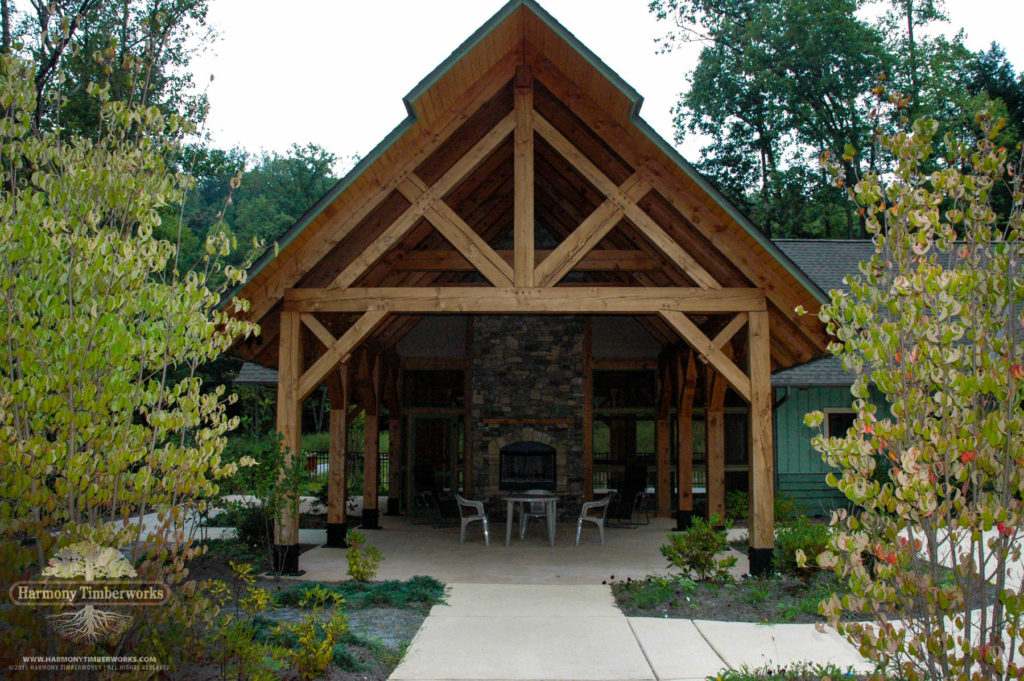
625, 88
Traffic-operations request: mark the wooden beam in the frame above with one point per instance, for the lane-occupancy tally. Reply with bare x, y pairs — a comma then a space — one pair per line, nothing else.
470, 244
687, 372
400, 227
581, 300
522, 201
594, 261
289, 415
318, 329
715, 428
706, 347
583, 239
339, 352
669, 247
762, 460
663, 491
730, 329
337, 455
339, 225
626, 198
636, 153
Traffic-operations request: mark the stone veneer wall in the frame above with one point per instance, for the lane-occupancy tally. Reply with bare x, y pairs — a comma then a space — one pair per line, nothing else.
527, 367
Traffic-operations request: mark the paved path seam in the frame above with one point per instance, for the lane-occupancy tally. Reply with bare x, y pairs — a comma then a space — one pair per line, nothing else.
710, 644
642, 649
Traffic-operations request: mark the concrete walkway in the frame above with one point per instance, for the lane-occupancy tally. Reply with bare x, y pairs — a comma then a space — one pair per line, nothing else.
554, 632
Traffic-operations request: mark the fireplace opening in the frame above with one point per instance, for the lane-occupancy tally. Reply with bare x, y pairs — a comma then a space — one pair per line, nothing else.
527, 465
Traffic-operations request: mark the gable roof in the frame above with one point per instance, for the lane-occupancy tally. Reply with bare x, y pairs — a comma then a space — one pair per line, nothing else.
446, 101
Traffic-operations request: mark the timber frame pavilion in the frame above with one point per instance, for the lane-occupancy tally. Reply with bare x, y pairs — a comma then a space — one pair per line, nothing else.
523, 182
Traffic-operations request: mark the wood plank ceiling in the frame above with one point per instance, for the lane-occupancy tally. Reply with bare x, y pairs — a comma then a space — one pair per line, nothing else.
439, 207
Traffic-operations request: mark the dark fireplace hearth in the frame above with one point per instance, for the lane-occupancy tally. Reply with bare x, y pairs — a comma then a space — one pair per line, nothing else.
527, 465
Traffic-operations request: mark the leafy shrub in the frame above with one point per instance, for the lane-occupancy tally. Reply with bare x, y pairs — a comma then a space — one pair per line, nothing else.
797, 671
694, 550
315, 634
653, 591
785, 507
737, 504
802, 535
362, 562
316, 442
254, 527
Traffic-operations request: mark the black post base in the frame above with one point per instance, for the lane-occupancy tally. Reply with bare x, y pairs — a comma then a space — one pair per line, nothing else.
684, 520
286, 560
337, 535
371, 519
394, 508
760, 562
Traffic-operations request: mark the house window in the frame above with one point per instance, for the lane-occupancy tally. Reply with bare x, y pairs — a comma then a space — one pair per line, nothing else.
838, 421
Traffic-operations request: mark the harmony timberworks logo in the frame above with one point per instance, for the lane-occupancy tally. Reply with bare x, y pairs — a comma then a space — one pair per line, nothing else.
93, 569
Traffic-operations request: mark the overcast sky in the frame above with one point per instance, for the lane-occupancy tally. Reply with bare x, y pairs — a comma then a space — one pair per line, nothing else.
334, 72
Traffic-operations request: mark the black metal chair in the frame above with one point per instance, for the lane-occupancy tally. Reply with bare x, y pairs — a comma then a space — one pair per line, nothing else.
629, 505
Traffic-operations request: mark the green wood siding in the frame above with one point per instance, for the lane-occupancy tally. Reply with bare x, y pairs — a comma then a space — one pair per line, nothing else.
800, 469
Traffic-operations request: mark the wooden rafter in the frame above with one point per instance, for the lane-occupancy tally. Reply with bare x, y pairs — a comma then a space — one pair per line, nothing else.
730, 330
339, 351
400, 227
617, 260
295, 266
583, 239
582, 300
459, 234
627, 202
523, 199
736, 377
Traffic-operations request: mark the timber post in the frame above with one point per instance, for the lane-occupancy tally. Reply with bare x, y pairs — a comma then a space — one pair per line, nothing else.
289, 425
370, 380
337, 458
687, 372
762, 465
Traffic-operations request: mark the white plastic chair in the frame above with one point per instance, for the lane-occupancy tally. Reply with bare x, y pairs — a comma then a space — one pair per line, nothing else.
477, 507
535, 509
587, 513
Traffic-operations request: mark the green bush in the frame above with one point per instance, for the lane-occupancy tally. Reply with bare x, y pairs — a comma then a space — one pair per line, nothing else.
802, 535
785, 507
655, 590
254, 528
362, 562
694, 550
316, 442
737, 505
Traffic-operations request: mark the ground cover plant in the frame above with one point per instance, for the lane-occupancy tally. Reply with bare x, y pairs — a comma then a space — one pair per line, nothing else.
778, 599
346, 630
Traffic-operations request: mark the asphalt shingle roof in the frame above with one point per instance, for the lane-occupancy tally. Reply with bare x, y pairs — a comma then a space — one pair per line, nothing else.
826, 262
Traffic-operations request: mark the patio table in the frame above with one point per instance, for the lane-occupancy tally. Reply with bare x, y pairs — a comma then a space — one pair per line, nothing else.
549, 501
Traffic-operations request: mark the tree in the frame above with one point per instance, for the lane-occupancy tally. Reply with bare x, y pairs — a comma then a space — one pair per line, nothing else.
779, 83
102, 417
142, 48
933, 322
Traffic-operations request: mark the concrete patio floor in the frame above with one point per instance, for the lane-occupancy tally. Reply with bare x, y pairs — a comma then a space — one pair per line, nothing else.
412, 549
